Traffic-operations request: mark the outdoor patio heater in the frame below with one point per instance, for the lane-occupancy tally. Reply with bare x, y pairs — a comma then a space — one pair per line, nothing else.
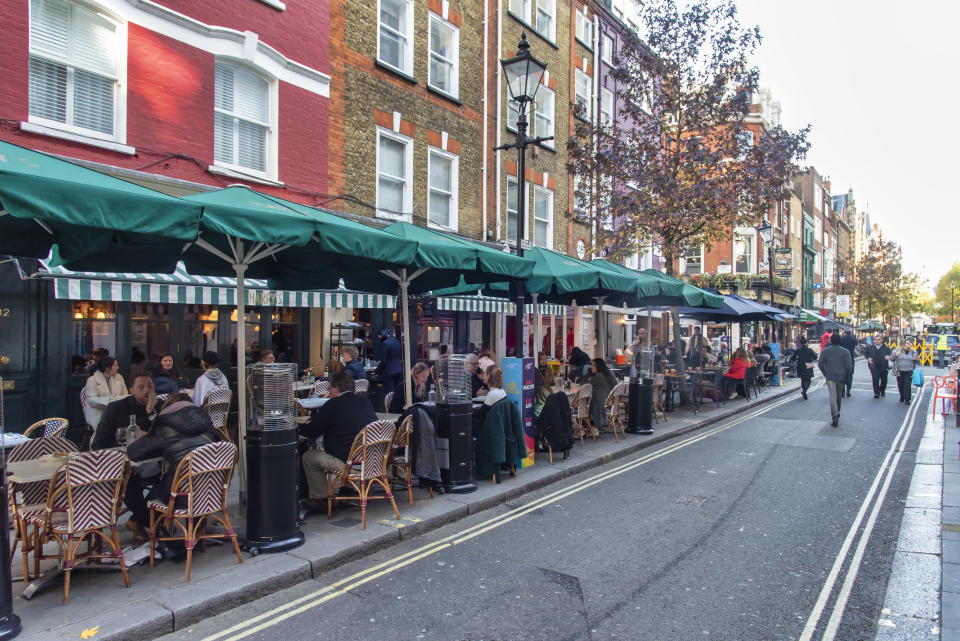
272, 521
640, 393
454, 424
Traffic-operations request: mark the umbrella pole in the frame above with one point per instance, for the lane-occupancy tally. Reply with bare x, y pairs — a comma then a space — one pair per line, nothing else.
536, 326
405, 307
240, 270
649, 324
601, 327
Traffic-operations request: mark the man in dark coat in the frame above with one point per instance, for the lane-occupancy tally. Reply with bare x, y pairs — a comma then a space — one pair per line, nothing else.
352, 364
141, 403
338, 421
877, 355
391, 362
180, 428
804, 356
849, 342
836, 365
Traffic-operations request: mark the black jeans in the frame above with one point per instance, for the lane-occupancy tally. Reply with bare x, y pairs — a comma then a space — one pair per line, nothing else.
133, 498
849, 386
805, 377
879, 380
905, 383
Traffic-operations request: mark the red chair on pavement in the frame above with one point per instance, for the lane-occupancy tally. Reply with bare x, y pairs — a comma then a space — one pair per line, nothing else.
945, 389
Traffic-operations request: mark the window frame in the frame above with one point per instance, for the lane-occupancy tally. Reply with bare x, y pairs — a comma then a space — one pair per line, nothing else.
454, 194
534, 130
610, 115
584, 34
578, 74
552, 31
750, 234
606, 52
537, 189
407, 213
407, 68
454, 62
699, 257
271, 143
511, 179
119, 134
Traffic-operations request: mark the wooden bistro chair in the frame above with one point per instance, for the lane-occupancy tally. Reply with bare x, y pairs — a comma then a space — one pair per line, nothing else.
81, 507
366, 466
659, 389
47, 427
616, 409
386, 401
217, 406
89, 429
401, 457
202, 479
580, 410
30, 499
361, 386
321, 389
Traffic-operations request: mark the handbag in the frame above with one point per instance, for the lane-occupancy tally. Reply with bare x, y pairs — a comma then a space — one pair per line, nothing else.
918, 377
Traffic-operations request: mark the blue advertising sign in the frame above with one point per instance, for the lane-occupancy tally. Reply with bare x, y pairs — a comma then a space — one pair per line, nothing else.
518, 383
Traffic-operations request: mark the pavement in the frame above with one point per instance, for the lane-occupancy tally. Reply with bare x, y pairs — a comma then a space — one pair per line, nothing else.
160, 602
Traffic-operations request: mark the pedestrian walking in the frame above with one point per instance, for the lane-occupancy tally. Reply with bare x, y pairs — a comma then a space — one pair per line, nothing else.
942, 348
825, 339
836, 364
904, 362
878, 360
391, 362
806, 359
849, 342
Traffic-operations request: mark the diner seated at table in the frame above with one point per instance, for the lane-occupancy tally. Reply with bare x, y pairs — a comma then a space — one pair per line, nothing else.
172, 371
419, 374
141, 403
177, 430
267, 356
163, 382
484, 358
542, 360
104, 382
703, 358
500, 439
352, 364
337, 422
580, 363
602, 381
737, 370
477, 385
212, 378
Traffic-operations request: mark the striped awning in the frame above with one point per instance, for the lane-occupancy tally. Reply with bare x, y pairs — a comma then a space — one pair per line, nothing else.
491, 304
183, 288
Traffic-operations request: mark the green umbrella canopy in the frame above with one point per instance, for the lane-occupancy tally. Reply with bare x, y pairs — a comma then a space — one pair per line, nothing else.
445, 259
558, 278
318, 245
677, 292
46, 200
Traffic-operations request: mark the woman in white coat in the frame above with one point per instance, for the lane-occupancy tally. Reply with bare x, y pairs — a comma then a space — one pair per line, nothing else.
104, 382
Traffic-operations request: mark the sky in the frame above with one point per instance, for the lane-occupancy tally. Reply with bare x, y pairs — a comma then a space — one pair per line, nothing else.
878, 83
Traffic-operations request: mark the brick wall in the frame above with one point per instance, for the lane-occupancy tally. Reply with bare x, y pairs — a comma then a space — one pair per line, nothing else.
364, 89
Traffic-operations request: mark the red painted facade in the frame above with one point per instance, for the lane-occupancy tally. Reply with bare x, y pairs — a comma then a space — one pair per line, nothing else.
170, 95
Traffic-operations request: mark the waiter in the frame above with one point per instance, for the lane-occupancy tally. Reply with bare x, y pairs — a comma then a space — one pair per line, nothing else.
942, 348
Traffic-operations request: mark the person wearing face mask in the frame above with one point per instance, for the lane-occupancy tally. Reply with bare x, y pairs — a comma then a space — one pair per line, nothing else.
105, 382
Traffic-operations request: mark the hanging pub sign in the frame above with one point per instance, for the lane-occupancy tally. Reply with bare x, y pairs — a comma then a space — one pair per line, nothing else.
783, 261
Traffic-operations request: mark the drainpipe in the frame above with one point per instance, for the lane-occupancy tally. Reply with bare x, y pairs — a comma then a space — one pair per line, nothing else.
497, 107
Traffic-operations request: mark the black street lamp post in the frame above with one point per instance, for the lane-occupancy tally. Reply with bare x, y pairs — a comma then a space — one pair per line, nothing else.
524, 74
766, 233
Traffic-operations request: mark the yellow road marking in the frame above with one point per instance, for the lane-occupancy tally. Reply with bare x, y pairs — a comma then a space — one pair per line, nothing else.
318, 597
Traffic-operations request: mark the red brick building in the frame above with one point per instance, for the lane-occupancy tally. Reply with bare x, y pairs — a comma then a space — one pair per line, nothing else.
175, 94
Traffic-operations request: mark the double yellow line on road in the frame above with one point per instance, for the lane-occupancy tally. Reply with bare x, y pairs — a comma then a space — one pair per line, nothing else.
298, 606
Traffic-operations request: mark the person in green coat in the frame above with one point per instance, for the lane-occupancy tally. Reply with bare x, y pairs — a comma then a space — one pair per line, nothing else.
500, 439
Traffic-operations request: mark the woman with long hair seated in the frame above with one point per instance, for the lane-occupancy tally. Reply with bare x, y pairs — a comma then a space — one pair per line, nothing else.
419, 374
737, 370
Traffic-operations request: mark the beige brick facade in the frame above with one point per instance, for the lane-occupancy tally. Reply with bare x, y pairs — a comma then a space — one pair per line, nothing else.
368, 96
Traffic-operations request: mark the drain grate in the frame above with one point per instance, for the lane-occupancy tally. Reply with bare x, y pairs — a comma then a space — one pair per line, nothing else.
692, 500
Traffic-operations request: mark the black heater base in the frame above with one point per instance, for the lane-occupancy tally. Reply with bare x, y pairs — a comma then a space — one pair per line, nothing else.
640, 409
461, 487
255, 546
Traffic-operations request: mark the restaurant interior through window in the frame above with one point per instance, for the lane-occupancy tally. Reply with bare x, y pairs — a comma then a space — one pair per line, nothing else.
184, 331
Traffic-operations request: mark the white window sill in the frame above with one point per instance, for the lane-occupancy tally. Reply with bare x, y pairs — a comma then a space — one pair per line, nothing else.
53, 132
233, 173
276, 4
389, 215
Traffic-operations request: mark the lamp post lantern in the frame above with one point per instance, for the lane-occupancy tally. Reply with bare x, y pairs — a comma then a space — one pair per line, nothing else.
842, 277
524, 74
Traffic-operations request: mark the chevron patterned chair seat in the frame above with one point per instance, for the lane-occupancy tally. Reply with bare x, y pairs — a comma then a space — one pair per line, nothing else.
580, 411
361, 386
401, 457
321, 388
47, 427
366, 466
616, 409
30, 499
200, 482
217, 406
90, 495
